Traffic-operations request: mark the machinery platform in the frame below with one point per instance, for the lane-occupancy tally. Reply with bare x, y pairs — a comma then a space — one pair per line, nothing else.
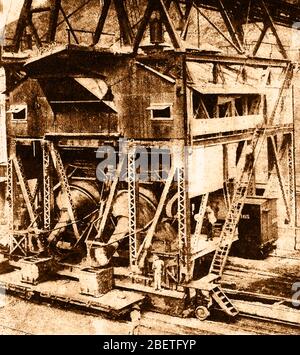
205, 283
65, 290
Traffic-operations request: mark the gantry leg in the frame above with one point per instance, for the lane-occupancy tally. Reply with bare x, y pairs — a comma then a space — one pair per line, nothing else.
186, 265
46, 187
10, 200
132, 200
292, 188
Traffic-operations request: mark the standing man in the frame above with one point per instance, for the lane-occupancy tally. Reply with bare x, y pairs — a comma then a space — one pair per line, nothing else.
157, 267
211, 220
135, 316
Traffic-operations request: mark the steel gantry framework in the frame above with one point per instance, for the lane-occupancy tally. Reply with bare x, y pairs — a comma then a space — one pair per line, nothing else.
133, 17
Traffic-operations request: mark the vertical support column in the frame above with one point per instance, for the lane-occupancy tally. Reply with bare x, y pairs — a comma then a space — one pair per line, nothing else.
132, 196
10, 193
184, 238
46, 186
292, 182
11, 188
181, 216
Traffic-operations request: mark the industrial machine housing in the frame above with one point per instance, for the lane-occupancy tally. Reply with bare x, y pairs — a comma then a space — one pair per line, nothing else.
221, 128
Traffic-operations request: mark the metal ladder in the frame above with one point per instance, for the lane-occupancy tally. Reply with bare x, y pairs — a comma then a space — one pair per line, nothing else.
235, 210
240, 193
224, 302
233, 216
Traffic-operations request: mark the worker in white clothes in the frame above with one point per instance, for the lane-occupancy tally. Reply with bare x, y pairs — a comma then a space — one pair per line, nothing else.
135, 316
249, 156
157, 267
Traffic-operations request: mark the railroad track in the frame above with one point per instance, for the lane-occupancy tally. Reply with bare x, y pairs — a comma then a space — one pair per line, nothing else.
160, 324
245, 324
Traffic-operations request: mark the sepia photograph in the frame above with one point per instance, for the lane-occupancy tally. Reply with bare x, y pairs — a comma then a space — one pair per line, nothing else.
149, 170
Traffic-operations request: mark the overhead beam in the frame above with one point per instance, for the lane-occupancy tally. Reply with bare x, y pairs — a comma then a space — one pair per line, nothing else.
21, 25
232, 31
125, 27
219, 30
53, 22
260, 39
69, 24
251, 61
187, 18
101, 21
274, 30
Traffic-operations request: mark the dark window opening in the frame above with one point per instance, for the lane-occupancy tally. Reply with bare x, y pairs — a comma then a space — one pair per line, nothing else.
160, 111
20, 115
239, 106
19, 112
223, 110
210, 102
165, 113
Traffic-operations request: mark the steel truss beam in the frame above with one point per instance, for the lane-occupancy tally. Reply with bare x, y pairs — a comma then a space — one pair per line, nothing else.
182, 233
25, 190
132, 207
110, 198
292, 180
280, 179
234, 15
289, 197
186, 264
143, 250
46, 186
59, 166
22, 23
10, 193
54, 13
124, 24
233, 44
273, 174
273, 28
228, 22
232, 60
